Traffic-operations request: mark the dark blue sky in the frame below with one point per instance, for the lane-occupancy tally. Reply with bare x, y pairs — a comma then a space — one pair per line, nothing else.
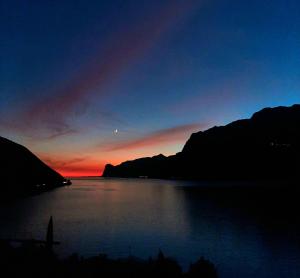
72, 72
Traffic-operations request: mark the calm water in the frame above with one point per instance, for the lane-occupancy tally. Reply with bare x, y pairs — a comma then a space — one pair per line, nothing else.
132, 216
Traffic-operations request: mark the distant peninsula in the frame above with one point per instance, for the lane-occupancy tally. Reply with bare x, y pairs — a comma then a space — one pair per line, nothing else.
24, 173
266, 146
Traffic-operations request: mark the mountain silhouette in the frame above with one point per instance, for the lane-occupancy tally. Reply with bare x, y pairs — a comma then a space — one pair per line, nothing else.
24, 173
266, 146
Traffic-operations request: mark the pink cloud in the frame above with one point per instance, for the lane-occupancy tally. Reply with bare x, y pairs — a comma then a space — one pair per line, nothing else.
160, 137
51, 114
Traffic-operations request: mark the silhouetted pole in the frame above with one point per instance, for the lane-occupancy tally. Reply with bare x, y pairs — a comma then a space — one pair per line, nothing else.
49, 236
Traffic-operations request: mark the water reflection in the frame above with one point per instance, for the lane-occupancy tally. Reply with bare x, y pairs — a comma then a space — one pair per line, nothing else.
244, 234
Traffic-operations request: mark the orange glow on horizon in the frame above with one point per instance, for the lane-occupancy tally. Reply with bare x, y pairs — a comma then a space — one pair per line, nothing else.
82, 167
83, 172
167, 141
75, 167
79, 170
87, 173
93, 166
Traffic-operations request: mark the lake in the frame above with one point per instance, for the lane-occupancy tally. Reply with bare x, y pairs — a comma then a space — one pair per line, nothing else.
244, 231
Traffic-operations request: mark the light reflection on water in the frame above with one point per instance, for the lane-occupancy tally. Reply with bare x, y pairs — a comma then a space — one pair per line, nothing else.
120, 217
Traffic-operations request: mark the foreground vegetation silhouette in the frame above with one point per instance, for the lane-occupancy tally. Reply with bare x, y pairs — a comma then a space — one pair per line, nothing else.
30, 260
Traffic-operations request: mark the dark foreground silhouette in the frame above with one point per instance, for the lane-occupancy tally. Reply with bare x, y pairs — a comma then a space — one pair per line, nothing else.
30, 260
22, 173
267, 146
35, 258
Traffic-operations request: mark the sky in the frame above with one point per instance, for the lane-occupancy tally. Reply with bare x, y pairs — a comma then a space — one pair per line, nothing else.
86, 83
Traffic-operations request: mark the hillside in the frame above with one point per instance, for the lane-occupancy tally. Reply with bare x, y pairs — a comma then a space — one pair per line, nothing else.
22, 172
266, 146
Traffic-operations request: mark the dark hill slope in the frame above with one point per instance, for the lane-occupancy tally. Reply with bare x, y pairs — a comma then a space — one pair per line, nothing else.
22, 172
266, 146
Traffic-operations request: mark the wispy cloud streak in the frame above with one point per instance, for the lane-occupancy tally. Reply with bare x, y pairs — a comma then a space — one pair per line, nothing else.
51, 114
160, 137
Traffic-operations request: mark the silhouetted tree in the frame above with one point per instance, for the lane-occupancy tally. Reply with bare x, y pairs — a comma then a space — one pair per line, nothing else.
35, 261
202, 269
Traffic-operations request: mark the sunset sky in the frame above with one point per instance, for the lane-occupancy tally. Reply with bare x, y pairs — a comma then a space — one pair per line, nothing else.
85, 83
